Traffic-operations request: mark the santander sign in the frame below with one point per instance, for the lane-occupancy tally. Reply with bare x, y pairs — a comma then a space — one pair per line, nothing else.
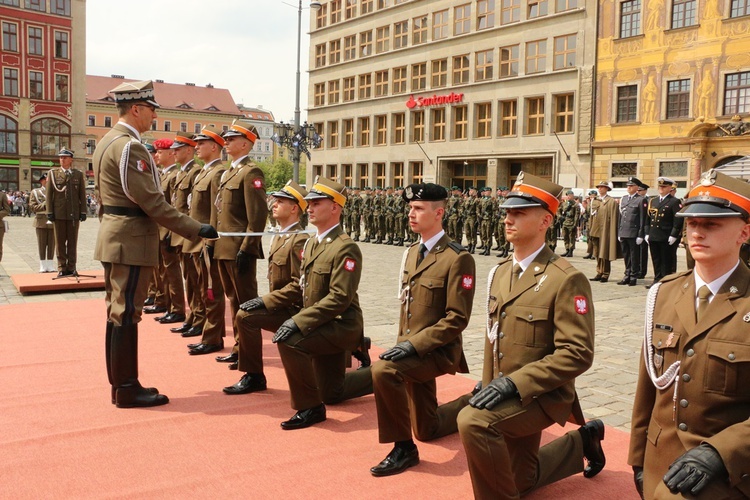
434, 100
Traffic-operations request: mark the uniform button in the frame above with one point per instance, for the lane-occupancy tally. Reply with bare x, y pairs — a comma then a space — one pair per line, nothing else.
690, 353
682, 427
531, 316
408, 331
412, 283
686, 378
411, 299
409, 316
500, 374
499, 355
500, 335
684, 403
731, 356
503, 315
658, 344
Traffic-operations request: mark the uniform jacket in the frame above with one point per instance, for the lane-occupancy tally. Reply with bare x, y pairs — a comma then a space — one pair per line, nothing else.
595, 226
202, 208
570, 213
127, 239
662, 222
713, 391
632, 215
436, 306
607, 217
183, 188
66, 196
284, 259
38, 203
545, 333
168, 176
241, 207
4, 209
470, 208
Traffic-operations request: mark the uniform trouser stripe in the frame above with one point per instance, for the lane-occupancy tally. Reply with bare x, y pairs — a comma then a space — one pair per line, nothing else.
130, 289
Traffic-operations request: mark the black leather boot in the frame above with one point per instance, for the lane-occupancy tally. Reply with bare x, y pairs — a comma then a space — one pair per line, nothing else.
124, 366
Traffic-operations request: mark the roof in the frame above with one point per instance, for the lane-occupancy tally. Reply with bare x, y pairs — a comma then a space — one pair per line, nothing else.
256, 113
739, 168
206, 99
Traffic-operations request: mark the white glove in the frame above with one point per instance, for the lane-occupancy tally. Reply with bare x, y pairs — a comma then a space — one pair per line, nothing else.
646, 239
671, 240
619, 239
639, 241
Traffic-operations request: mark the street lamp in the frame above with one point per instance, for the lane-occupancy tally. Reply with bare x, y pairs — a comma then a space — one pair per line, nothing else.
300, 139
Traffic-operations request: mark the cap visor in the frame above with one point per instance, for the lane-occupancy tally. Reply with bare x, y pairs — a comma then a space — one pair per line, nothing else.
519, 202
706, 210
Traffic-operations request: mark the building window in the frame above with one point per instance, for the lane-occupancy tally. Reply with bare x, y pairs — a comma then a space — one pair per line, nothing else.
461, 19
737, 93
399, 80
364, 131
537, 8
183, 127
399, 128
382, 39
61, 88
379, 174
40, 5
419, 30
510, 11
535, 115
10, 37
92, 121
418, 76
683, 13
351, 9
321, 16
365, 86
400, 34
61, 45
349, 133
333, 134
565, 52
563, 5
383, 4
366, 7
739, 8
9, 178
460, 122
678, 99
381, 83
36, 85
335, 11
398, 174
460, 70
381, 130
60, 7
349, 89
439, 73
319, 94
627, 103
333, 92
364, 177
35, 41
417, 126
417, 171
320, 55
483, 120
440, 25
485, 14
108, 122
365, 43
536, 56
437, 119
350, 47
484, 65
197, 128
508, 118
564, 113
675, 170
630, 18
167, 125
509, 61
48, 136
10, 82
8, 135
334, 51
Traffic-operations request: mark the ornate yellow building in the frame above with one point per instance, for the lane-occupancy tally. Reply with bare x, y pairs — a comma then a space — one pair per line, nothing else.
673, 88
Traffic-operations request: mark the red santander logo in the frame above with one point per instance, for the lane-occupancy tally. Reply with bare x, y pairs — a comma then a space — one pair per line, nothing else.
434, 100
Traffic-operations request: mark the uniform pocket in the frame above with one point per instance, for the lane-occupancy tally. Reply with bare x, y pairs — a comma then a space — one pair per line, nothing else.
533, 326
431, 291
232, 194
728, 368
320, 277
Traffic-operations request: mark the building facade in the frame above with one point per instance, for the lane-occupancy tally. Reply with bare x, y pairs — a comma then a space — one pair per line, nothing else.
456, 92
42, 102
263, 121
673, 89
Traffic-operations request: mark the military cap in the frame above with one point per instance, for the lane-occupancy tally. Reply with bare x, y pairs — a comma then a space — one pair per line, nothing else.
65, 152
486, 189
454, 188
183, 139
605, 184
643, 187
593, 191
399, 188
326, 188
368, 188
293, 191
425, 191
210, 133
569, 191
633, 181
128, 92
150, 147
249, 132
356, 188
389, 187
666, 181
472, 187
532, 191
163, 143
717, 195
43, 177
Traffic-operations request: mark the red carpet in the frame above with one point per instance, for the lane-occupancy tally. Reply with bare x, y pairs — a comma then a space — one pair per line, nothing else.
61, 438
50, 283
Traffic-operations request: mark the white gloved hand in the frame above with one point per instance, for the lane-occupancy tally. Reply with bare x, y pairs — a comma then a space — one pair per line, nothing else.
646, 238
619, 239
639, 241
671, 240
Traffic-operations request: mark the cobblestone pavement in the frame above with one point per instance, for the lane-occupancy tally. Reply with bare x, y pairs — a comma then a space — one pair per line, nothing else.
606, 390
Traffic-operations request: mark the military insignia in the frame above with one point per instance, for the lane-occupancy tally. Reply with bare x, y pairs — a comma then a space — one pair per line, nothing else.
350, 265
536, 269
301, 253
670, 338
409, 193
708, 178
328, 240
539, 285
258, 183
467, 282
142, 166
733, 289
746, 318
581, 304
519, 180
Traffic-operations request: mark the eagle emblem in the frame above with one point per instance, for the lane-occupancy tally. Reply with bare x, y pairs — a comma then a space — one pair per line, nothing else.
142, 166
409, 193
258, 183
350, 265
708, 178
467, 282
581, 304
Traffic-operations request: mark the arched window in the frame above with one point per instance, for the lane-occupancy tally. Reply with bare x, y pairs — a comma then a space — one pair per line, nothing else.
8, 135
48, 135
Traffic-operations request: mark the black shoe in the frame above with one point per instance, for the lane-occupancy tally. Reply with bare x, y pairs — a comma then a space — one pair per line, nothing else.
598, 277
193, 346
181, 329
633, 282
588, 256
250, 382
234, 366
623, 281
171, 318
603, 280
138, 397
592, 447
641, 276
363, 356
195, 331
397, 461
154, 309
305, 418
149, 301
206, 349
229, 358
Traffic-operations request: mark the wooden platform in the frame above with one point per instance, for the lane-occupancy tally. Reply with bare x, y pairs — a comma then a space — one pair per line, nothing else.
44, 282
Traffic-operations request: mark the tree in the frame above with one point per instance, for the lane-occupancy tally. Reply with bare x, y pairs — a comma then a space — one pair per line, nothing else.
278, 173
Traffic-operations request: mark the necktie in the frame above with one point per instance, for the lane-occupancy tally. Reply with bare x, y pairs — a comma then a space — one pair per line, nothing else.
516, 274
703, 294
422, 253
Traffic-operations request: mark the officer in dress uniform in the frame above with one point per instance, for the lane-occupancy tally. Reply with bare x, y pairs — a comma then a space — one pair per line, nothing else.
664, 228
540, 337
45, 231
630, 231
437, 281
66, 208
690, 426
643, 248
132, 208
607, 219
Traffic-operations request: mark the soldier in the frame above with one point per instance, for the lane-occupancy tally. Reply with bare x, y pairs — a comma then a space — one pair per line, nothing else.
367, 214
502, 241
378, 217
132, 207
4, 212
470, 216
399, 209
643, 248
664, 228
690, 414
345, 223
593, 229
45, 230
390, 215
569, 214
355, 213
66, 208
630, 232
453, 212
607, 217
487, 215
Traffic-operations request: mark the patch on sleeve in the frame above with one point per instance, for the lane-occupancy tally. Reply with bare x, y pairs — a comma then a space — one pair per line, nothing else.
350, 265
301, 253
258, 183
467, 281
142, 166
582, 305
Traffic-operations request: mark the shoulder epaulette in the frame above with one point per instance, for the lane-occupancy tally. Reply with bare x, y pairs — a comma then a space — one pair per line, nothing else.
672, 277
456, 247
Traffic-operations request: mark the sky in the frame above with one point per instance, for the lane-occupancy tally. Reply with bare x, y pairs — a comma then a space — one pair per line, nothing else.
246, 46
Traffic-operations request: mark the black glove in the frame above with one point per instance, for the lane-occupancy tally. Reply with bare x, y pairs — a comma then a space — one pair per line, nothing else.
168, 241
253, 304
243, 262
208, 231
82, 217
638, 479
286, 330
694, 470
399, 351
497, 390
51, 217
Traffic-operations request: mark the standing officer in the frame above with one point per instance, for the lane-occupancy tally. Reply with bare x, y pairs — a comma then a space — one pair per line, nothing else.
270, 311
607, 217
45, 230
4, 212
470, 215
432, 320
132, 208
630, 231
66, 207
593, 228
690, 424
314, 344
570, 214
664, 228
643, 248
540, 337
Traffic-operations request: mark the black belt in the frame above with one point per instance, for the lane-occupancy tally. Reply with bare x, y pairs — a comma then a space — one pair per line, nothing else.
127, 211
